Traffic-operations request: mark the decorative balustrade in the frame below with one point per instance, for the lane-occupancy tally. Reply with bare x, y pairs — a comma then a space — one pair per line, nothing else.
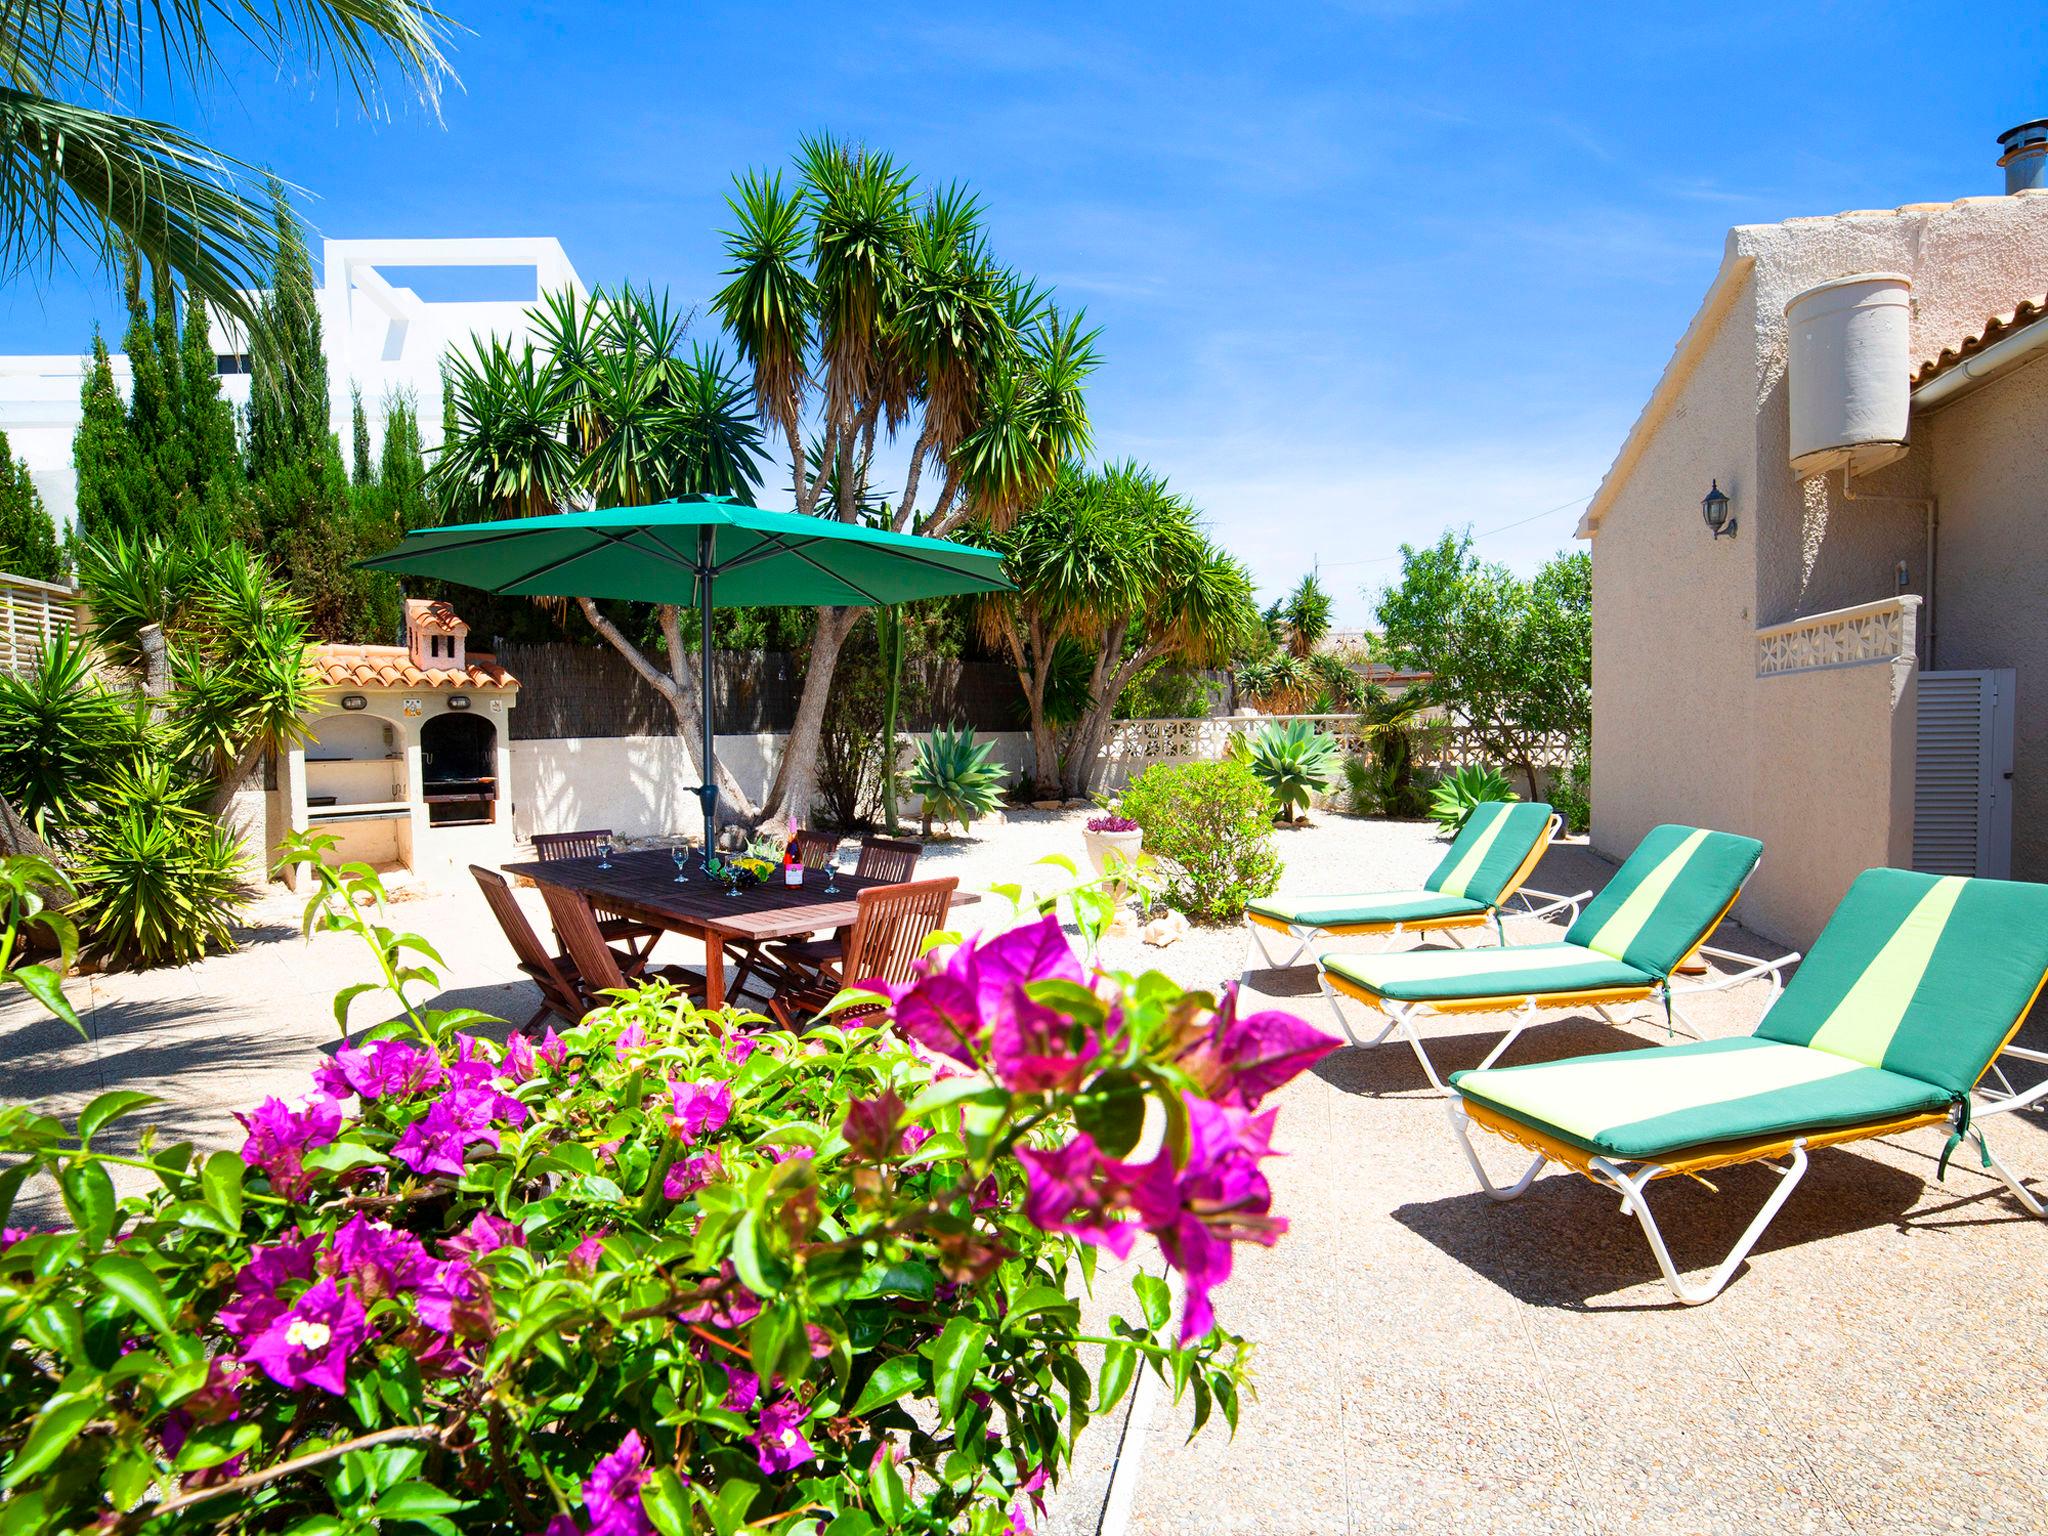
1883, 631
31, 612
1135, 745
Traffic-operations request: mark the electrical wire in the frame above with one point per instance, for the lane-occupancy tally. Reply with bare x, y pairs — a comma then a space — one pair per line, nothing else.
1563, 506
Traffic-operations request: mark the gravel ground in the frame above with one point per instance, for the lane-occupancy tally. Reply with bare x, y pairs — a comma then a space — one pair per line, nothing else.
1427, 1359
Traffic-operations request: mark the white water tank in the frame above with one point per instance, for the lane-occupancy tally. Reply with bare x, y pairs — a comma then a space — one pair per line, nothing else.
1849, 372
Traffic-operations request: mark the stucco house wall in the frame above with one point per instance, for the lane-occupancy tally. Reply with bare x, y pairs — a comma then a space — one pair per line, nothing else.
1989, 459
1686, 725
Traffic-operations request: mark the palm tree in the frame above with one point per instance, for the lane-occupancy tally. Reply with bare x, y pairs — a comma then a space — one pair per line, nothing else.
75, 175
1115, 562
867, 314
607, 411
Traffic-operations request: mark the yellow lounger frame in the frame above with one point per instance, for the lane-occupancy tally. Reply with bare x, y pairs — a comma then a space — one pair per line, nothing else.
1631, 1179
1536, 904
1402, 1015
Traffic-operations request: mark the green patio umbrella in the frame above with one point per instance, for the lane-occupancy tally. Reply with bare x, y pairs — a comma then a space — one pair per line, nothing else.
707, 552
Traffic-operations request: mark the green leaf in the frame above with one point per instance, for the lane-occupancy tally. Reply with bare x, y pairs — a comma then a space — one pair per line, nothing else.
855, 1522
895, 1377
55, 1326
728, 1507
952, 1091
108, 1107
47, 988
746, 1258
1155, 1299
346, 996
55, 1428
667, 1503
1119, 1364
955, 1357
885, 1488
570, 1157
1113, 1112
131, 1280
191, 1213
1040, 1298
220, 1178
10, 1185
339, 1156
89, 1197
410, 1501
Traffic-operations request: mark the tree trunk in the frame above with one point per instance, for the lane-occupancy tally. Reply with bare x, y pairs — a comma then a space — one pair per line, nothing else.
1084, 769
796, 775
678, 687
1529, 773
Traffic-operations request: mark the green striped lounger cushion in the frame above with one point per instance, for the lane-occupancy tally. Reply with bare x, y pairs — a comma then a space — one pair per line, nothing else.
1642, 1105
1667, 896
1524, 970
1493, 844
1387, 907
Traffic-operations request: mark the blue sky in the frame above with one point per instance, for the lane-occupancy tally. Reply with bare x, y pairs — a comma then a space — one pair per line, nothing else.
1363, 270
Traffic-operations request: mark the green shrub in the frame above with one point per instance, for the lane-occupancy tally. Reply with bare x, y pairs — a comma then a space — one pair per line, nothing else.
1572, 795
1210, 825
1462, 788
1383, 783
647, 1274
1295, 761
954, 777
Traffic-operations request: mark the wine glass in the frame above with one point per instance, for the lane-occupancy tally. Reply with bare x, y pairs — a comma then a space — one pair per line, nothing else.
679, 855
604, 853
832, 874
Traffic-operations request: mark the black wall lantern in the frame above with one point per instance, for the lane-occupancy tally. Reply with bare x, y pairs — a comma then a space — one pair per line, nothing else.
1714, 508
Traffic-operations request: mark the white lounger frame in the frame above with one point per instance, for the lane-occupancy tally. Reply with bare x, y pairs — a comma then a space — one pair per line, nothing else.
1527, 1010
1632, 1179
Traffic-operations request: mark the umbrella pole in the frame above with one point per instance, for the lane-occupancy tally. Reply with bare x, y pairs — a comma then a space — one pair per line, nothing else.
707, 792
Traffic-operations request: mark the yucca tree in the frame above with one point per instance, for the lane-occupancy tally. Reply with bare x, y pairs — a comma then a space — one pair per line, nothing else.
78, 176
870, 314
609, 407
1114, 560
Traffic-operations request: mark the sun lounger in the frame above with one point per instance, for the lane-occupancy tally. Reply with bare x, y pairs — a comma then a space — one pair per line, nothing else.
1652, 918
1912, 993
1495, 851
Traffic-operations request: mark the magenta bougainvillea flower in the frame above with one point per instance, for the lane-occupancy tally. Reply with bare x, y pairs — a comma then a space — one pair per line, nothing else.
732, 1308
779, 1443
280, 1137
632, 1038
485, 1233
520, 1060
553, 1049
1197, 1210
453, 1299
955, 1009
688, 1175
1076, 1189
699, 1109
459, 1119
1036, 1049
474, 1066
382, 1069
219, 1401
586, 1255
611, 1494
1239, 1060
376, 1260
739, 1048
271, 1267
309, 1344
1218, 1198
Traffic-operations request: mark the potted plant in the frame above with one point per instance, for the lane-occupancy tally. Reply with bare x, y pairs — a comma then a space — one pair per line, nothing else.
1112, 838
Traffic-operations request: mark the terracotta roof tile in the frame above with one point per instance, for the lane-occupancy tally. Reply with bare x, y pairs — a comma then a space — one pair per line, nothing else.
433, 616
392, 666
1994, 330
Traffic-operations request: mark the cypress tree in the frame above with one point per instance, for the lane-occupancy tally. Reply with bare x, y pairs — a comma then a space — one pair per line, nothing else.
363, 471
288, 394
28, 538
402, 468
114, 490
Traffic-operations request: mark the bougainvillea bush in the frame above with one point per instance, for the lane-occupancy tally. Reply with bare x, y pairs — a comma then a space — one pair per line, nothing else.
653, 1273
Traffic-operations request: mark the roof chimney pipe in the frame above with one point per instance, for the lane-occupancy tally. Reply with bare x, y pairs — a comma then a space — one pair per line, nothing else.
2026, 156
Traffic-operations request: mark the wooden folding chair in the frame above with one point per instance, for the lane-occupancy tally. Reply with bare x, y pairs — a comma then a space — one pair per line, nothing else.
597, 968
887, 940
881, 858
553, 974
589, 844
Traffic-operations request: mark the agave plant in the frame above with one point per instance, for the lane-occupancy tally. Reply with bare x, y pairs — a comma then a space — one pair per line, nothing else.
1295, 761
954, 777
1458, 791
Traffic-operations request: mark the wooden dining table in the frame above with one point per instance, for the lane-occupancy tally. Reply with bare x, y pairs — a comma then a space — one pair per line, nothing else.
642, 885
